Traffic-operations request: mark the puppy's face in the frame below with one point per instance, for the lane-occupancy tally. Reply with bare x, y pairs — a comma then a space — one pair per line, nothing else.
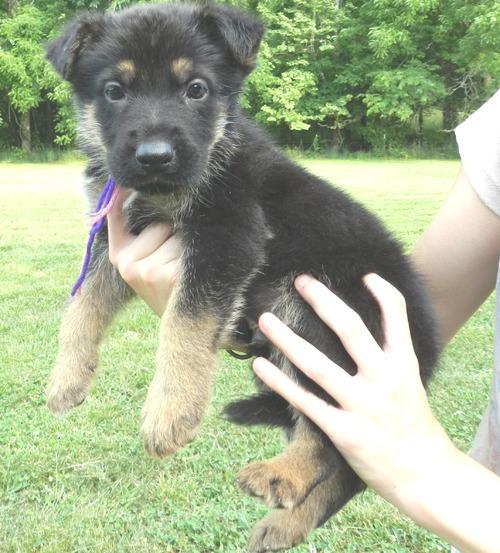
155, 86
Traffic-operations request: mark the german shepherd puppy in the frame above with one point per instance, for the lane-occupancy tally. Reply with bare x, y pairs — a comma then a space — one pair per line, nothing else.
157, 91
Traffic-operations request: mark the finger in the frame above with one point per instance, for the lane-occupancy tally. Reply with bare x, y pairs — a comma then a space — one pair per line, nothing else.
344, 321
314, 364
327, 417
164, 262
169, 251
118, 236
394, 316
146, 243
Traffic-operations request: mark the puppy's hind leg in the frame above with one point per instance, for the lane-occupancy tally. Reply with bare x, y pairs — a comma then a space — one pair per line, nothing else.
284, 528
83, 324
285, 480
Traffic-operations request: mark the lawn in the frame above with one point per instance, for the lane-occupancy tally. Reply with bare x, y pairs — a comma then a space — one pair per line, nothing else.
83, 483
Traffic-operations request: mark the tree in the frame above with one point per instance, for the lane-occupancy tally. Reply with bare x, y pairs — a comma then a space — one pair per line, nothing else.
467, 50
25, 77
292, 89
26, 80
339, 73
24, 73
360, 71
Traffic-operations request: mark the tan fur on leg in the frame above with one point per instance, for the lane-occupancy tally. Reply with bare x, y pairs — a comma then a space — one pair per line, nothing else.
284, 528
82, 326
285, 480
181, 387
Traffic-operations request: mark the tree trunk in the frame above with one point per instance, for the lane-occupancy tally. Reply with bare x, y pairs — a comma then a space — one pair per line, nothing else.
25, 131
11, 7
450, 115
337, 141
420, 126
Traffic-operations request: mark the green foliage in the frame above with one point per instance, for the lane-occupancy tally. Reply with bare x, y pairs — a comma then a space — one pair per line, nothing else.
397, 94
23, 70
342, 74
369, 69
291, 87
64, 122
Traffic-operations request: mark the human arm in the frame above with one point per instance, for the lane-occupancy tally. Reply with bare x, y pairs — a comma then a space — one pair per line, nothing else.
384, 426
458, 256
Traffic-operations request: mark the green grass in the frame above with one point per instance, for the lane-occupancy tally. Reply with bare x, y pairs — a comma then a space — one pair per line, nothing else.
45, 155
83, 483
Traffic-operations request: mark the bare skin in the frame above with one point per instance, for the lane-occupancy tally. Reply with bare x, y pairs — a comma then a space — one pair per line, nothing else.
458, 254
384, 427
148, 263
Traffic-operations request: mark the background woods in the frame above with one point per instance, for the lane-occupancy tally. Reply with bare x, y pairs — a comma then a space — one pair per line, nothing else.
344, 75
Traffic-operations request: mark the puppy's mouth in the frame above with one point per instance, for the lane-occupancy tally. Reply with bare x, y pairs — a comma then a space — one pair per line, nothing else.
149, 186
161, 183
155, 187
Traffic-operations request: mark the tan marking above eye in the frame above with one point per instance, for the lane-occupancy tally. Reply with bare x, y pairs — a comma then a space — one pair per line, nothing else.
180, 67
127, 67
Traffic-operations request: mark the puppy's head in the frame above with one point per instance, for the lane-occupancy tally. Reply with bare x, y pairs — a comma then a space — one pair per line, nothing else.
155, 86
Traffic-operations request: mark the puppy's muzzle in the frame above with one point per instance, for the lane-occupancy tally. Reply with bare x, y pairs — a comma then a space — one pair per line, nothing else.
154, 155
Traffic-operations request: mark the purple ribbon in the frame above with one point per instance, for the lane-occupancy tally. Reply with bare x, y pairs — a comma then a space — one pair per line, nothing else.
102, 203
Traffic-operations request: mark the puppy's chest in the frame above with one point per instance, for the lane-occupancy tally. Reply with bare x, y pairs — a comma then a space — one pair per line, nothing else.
143, 210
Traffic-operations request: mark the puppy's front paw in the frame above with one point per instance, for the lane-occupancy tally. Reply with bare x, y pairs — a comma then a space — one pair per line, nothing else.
68, 388
167, 428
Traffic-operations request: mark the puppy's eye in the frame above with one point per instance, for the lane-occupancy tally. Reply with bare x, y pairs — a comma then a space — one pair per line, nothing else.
114, 91
197, 90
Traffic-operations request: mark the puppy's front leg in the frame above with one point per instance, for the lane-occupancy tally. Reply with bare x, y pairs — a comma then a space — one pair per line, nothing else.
219, 262
83, 324
181, 387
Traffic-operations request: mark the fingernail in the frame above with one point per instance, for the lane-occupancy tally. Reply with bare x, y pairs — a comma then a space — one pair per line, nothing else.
259, 365
370, 277
257, 362
265, 319
303, 280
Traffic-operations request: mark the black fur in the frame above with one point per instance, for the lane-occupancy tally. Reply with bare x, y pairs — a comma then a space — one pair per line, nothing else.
250, 219
266, 408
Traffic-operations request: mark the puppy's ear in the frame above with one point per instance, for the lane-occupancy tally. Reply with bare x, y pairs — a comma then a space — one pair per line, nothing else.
239, 32
63, 52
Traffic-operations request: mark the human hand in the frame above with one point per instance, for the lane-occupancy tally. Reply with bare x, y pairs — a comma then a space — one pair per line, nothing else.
150, 262
384, 426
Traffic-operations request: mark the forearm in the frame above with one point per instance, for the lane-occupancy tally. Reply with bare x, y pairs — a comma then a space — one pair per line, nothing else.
459, 501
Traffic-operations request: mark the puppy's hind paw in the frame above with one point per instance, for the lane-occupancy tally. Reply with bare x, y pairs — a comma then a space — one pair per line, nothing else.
274, 483
279, 529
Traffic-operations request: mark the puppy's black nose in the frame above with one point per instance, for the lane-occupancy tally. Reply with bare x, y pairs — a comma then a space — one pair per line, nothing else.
154, 154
